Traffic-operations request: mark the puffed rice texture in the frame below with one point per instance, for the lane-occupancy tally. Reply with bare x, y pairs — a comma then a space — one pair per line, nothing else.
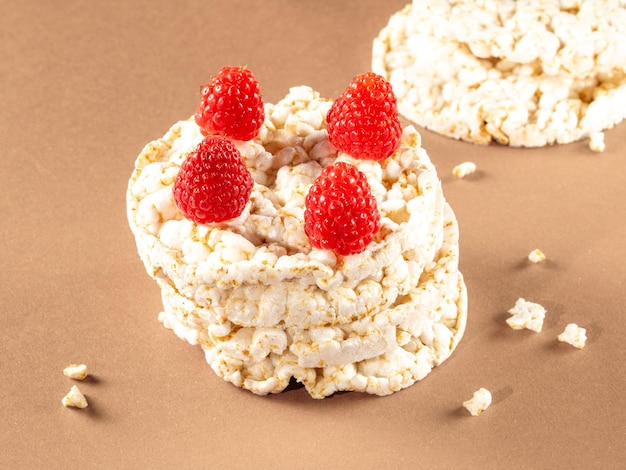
521, 73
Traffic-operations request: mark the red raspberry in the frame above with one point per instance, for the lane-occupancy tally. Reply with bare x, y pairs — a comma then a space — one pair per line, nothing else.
364, 122
341, 213
213, 183
231, 105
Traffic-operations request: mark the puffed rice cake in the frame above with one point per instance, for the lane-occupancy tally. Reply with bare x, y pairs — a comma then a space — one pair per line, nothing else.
263, 304
524, 73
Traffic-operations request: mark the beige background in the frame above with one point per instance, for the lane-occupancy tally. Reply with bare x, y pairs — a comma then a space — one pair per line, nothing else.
86, 84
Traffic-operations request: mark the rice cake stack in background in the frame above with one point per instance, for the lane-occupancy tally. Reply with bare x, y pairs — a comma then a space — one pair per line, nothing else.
524, 73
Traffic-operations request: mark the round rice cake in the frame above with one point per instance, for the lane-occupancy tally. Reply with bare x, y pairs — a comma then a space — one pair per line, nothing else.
522, 73
265, 305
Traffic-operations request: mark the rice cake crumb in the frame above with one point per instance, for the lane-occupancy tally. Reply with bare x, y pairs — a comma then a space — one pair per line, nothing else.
527, 315
536, 256
76, 371
574, 335
596, 141
479, 402
464, 169
74, 398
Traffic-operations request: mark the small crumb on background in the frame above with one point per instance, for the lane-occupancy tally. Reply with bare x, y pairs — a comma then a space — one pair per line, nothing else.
74, 398
574, 335
536, 256
596, 141
527, 315
76, 371
479, 402
464, 169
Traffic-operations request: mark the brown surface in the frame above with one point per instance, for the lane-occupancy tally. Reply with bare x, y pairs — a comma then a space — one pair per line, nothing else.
86, 84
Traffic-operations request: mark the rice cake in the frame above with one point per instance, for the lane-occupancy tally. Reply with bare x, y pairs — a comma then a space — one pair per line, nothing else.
267, 307
524, 73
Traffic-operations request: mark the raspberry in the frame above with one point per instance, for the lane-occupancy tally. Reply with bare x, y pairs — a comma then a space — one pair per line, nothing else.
341, 213
364, 121
213, 183
231, 105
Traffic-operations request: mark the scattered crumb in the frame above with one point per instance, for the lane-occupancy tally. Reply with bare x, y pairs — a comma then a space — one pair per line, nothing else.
464, 169
76, 371
74, 398
574, 335
479, 402
536, 256
596, 141
527, 315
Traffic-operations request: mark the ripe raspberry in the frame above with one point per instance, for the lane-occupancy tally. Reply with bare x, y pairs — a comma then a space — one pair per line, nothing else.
364, 122
341, 213
231, 105
213, 183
